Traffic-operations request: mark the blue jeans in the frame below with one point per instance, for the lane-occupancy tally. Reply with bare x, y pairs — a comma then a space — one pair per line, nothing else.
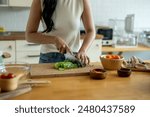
51, 57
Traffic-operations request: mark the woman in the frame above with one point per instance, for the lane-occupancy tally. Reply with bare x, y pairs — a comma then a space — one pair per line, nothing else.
61, 22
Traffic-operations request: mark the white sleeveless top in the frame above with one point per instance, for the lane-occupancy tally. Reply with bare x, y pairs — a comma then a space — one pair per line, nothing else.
66, 17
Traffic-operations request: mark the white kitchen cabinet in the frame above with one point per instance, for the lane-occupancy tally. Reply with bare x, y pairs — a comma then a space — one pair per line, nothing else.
20, 3
16, 3
8, 46
27, 52
23, 45
21, 51
28, 56
94, 51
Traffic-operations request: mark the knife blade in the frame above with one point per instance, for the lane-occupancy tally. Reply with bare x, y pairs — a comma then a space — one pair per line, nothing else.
72, 56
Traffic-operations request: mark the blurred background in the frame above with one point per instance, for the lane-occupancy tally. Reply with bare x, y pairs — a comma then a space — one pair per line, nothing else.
105, 13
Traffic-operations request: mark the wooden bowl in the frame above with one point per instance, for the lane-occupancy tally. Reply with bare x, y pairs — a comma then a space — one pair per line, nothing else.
8, 84
111, 64
11, 83
98, 74
124, 72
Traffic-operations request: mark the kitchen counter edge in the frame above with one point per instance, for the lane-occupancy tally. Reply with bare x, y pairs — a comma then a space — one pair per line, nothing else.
21, 36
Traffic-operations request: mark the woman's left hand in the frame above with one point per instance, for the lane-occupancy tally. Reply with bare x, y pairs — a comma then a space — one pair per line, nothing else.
82, 56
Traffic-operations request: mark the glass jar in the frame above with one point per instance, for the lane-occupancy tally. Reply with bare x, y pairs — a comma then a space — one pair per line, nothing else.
2, 66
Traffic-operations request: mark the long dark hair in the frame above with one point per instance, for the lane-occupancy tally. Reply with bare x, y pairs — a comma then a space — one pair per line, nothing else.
49, 8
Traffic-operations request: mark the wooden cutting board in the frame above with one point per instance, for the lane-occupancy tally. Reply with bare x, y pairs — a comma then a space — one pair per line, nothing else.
48, 70
19, 91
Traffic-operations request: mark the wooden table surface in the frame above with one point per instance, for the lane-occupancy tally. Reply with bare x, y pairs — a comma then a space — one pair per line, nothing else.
136, 87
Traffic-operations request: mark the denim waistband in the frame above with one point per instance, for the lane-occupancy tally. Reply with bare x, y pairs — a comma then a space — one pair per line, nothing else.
51, 57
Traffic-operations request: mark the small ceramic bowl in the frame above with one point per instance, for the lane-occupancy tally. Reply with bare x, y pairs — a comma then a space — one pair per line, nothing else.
9, 84
98, 74
124, 72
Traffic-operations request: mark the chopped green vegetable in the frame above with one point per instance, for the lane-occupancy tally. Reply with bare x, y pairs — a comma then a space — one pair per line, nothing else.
67, 64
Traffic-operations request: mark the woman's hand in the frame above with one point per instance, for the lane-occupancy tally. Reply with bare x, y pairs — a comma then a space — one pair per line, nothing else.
61, 45
83, 57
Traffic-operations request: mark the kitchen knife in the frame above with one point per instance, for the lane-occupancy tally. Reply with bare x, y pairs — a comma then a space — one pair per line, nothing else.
72, 56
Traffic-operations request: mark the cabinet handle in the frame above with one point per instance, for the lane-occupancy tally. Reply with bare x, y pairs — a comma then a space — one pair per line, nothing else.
33, 44
31, 56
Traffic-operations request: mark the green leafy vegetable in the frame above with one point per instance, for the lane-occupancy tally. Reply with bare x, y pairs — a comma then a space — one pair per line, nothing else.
67, 64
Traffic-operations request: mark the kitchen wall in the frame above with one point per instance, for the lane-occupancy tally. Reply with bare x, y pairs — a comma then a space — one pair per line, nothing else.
118, 9
15, 19
103, 10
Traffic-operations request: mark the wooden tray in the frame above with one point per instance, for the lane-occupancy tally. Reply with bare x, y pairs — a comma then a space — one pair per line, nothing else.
48, 70
19, 91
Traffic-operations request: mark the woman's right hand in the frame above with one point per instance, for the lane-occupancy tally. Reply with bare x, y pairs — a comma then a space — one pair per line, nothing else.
61, 45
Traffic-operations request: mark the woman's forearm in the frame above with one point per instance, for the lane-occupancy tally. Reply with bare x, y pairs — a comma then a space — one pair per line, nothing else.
40, 38
88, 39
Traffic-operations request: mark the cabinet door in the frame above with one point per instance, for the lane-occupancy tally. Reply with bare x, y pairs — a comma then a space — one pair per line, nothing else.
28, 56
8, 46
20, 3
23, 45
94, 51
27, 52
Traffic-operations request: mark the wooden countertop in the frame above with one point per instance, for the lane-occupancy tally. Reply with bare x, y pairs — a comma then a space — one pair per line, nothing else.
113, 49
98, 36
136, 87
13, 36
21, 36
